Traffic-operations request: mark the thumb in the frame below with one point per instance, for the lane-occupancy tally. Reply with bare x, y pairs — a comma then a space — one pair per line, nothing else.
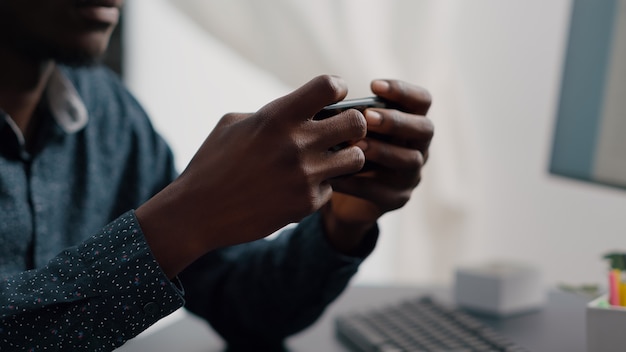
307, 100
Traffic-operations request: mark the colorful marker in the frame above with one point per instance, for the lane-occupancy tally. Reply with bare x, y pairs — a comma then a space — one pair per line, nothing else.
617, 285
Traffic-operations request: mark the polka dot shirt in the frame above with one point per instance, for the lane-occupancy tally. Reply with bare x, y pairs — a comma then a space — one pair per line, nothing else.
92, 297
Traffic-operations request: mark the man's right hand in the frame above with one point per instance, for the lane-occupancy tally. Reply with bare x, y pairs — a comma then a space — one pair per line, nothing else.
254, 174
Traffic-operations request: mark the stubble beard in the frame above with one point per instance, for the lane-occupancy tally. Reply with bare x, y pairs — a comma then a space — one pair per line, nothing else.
37, 48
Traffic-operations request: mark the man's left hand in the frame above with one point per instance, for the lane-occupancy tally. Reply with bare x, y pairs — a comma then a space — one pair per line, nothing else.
398, 157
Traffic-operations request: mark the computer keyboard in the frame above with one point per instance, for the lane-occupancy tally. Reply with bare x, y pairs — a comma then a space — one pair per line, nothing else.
421, 324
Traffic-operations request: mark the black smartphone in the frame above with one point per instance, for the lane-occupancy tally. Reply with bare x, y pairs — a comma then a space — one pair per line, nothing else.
359, 104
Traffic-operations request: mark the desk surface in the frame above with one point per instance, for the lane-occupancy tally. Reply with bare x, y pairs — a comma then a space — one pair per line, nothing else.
559, 326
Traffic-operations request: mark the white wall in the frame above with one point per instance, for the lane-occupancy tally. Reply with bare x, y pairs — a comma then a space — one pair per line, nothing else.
502, 66
510, 72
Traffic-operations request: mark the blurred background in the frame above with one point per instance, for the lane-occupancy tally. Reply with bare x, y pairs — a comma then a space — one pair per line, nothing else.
494, 69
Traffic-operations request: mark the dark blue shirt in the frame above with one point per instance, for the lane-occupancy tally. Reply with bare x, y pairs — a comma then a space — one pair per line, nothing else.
76, 273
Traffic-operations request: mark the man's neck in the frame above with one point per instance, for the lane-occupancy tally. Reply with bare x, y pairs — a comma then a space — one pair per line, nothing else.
22, 84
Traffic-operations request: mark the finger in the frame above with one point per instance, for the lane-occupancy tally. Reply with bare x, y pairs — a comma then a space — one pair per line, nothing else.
370, 189
398, 127
343, 129
393, 157
346, 161
232, 118
408, 97
304, 102
325, 193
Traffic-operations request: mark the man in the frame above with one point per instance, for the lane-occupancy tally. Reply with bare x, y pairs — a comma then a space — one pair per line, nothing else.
81, 270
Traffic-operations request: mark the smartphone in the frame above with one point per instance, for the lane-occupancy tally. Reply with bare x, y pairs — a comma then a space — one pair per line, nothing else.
360, 104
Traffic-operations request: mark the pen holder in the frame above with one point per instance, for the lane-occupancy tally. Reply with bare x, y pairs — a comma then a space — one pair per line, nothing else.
606, 326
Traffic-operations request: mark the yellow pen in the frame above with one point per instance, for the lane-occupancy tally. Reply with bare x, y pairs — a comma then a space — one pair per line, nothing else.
622, 279
622, 293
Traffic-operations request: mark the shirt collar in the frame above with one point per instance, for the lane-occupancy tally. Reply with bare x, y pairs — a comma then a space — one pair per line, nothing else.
64, 103
66, 106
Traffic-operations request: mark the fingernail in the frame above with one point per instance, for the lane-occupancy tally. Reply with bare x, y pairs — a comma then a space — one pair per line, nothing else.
380, 86
373, 117
362, 144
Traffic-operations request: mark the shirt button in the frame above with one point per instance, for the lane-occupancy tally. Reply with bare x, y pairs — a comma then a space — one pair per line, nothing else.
151, 308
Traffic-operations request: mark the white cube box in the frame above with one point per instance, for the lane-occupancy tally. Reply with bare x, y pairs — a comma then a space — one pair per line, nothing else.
499, 288
605, 326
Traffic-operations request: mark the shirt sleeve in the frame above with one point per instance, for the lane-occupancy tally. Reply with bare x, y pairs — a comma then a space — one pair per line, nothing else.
91, 297
257, 294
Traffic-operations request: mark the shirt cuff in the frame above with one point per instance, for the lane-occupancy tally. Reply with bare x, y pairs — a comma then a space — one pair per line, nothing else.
138, 292
314, 232
312, 238
93, 296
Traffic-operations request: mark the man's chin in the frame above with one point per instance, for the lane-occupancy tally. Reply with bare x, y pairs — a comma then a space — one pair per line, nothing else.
72, 56
77, 53
77, 58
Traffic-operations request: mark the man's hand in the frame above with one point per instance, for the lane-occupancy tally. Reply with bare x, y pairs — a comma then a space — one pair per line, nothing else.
254, 174
359, 200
